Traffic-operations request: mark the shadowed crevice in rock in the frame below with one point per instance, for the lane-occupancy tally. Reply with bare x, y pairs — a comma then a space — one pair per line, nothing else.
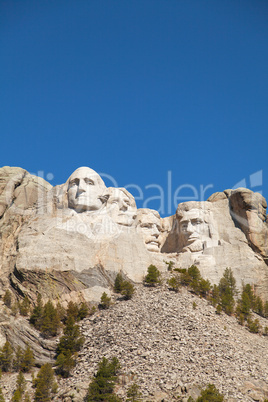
51, 284
96, 276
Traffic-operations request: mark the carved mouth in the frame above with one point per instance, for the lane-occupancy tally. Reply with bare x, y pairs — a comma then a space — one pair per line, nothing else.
153, 243
193, 237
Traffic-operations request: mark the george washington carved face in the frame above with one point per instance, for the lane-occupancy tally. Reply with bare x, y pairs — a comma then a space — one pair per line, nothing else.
85, 188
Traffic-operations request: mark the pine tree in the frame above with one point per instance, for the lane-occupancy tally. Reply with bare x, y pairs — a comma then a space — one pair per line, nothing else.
105, 301
248, 290
73, 311
27, 360
258, 306
228, 280
21, 382
65, 363
37, 313
215, 295
243, 306
45, 384
17, 396
153, 276
133, 393
194, 273
174, 283
27, 397
118, 283
253, 325
61, 312
6, 357
83, 311
266, 309
227, 290
50, 321
210, 394
185, 278
7, 298
102, 386
18, 359
21, 385
24, 306
127, 290
71, 340
204, 287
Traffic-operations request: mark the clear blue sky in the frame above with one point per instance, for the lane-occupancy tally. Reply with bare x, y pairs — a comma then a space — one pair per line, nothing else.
147, 91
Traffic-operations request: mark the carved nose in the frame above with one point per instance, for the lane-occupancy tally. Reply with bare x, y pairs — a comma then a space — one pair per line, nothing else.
155, 231
190, 228
81, 187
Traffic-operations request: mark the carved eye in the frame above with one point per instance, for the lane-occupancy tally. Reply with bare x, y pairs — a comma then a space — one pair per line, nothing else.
89, 181
146, 225
73, 183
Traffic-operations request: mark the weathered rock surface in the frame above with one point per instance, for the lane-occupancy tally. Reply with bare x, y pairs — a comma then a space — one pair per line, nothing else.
19, 332
70, 241
248, 210
47, 235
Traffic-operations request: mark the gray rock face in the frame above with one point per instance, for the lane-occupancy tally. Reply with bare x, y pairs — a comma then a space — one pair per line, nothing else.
19, 332
248, 211
70, 241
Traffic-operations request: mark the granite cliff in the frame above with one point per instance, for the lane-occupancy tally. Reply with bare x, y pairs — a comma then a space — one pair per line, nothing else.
68, 242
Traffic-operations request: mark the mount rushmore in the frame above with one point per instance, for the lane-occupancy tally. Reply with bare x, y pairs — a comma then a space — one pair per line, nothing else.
68, 242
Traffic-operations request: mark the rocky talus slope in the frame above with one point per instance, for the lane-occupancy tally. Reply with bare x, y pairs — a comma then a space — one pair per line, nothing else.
169, 348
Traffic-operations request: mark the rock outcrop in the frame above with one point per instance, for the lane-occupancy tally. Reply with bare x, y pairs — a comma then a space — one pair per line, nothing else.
70, 241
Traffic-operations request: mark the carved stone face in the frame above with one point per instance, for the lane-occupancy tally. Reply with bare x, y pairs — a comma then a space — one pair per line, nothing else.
85, 187
193, 229
121, 206
149, 225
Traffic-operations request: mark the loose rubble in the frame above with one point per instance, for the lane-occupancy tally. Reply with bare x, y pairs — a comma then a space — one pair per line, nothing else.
170, 349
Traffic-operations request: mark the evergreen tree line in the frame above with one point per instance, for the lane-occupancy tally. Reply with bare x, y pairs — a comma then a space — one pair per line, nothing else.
121, 286
49, 320
102, 386
16, 360
223, 296
19, 394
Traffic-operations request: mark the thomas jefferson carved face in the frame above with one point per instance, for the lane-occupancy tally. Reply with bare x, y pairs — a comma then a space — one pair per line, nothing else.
193, 229
121, 206
85, 188
149, 225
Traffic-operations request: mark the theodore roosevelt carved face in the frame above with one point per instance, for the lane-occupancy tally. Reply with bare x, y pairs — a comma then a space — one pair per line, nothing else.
121, 206
149, 225
85, 188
